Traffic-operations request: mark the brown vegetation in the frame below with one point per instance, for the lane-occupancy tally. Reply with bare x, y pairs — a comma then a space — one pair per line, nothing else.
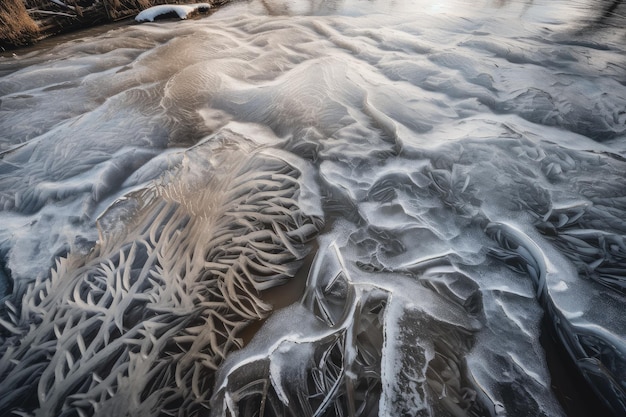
119, 9
16, 26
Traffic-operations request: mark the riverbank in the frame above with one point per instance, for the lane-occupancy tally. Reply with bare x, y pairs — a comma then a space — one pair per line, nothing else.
25, 22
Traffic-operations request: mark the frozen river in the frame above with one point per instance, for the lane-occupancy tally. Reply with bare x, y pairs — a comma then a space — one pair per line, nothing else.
439, 187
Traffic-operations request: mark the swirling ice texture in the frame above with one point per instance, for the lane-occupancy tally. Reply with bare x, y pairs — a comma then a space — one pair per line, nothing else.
469, 158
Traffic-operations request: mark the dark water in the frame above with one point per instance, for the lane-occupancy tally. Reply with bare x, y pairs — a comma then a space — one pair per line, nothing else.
441, 186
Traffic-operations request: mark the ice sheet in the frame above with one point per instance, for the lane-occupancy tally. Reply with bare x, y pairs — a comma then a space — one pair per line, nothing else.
468, 161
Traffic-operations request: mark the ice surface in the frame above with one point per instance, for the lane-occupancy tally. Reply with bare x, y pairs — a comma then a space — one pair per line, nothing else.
468, 161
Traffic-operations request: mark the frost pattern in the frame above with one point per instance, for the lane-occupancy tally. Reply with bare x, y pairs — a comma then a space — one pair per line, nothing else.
138, 326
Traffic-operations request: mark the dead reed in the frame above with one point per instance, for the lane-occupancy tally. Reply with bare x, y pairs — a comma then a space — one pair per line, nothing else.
16, 26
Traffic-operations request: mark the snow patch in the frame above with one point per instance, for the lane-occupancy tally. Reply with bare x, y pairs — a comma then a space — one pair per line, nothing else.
182, 10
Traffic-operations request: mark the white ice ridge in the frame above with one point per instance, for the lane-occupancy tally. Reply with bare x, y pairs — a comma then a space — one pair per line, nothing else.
182, 10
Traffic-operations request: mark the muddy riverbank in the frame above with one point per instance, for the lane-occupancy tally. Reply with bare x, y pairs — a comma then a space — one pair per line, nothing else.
25, 22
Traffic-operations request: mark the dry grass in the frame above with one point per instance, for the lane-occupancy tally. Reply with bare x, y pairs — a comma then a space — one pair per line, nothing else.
16, 26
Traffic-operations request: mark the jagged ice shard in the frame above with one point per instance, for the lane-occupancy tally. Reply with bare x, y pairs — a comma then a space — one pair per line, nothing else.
301, 208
